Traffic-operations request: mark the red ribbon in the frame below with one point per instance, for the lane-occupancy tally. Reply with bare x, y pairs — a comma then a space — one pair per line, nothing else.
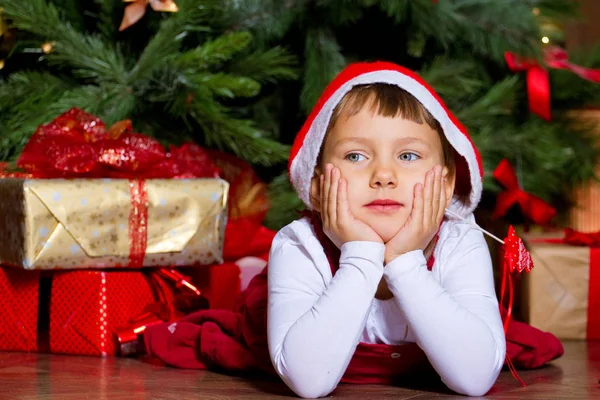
78, 145
534, 208
538, 80
593, 311
576, 238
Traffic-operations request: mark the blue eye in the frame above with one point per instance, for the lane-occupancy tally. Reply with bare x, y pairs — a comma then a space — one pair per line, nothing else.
354, 157
408, 156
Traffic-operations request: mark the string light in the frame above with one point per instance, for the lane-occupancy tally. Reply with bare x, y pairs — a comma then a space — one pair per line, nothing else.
545, 40
1, 64
47, 47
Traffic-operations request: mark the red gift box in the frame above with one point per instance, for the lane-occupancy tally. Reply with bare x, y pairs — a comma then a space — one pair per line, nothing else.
75, 312
88, 307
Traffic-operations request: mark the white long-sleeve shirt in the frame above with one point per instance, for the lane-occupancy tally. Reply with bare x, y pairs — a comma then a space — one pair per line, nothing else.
315, 321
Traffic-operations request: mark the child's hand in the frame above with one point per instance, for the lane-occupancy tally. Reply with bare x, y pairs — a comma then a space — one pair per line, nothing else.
338, 222
429, 203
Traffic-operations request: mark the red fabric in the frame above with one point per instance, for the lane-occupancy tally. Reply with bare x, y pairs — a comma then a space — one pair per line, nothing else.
236, 341
19, 312
532, 206
356, 69
529, 347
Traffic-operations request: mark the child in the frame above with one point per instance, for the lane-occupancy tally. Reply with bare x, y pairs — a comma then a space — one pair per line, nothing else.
377, 282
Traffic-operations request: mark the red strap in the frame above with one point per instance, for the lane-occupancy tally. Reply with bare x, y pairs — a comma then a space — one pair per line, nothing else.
593, 312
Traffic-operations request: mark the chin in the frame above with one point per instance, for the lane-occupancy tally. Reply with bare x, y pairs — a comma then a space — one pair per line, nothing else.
385, 232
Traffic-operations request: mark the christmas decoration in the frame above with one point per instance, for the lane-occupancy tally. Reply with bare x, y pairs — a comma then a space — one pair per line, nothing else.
137, 8
538, 80
562, 294
533, 208
106, 223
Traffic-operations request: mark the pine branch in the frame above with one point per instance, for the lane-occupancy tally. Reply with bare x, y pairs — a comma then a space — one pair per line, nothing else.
106, 23
476, 23
266, 66
457, 81
396, 9
497, 102
70, 10
324, 61
89, 57
267, 19
166, 43
553, 158
284, 203
230, 86
214, 53
572, 91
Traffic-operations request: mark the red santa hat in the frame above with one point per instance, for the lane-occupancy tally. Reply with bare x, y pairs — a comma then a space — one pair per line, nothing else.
307, 145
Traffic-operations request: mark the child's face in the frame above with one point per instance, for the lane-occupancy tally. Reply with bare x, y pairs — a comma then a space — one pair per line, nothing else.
381, 158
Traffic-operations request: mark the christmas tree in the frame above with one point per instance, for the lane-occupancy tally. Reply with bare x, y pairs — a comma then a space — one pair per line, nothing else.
223, 74
459, 47
177, 75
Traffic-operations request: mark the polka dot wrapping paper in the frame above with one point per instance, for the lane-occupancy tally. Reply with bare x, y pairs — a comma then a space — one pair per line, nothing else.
51, 224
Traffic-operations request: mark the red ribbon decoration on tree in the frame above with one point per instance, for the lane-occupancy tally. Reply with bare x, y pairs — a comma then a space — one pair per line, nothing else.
538, 80
534, 208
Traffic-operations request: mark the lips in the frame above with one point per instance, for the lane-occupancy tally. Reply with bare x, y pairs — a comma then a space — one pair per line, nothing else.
385, 205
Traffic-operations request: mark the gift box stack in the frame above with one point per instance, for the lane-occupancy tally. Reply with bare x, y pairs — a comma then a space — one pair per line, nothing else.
96, 226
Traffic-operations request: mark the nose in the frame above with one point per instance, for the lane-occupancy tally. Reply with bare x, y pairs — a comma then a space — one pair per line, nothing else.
383, 177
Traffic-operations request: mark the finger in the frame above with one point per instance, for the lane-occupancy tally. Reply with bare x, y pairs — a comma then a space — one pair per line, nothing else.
343, 210
325, 195
428, 197
333, 190
416, 214
437, 188
442, 199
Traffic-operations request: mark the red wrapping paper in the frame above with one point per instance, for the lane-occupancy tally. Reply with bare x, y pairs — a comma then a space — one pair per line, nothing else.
88, 307
85, 310
19, 311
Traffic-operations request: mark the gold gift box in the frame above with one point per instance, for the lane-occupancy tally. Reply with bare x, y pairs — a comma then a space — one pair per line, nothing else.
555, 292
84, 223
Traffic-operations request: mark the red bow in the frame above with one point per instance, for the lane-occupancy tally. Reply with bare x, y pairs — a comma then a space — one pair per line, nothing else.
77, 144
532, 206
538, 81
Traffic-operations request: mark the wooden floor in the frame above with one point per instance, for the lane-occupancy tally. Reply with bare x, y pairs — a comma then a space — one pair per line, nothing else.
40, 376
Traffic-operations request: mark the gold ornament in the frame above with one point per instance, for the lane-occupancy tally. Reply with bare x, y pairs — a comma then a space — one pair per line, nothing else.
136, 10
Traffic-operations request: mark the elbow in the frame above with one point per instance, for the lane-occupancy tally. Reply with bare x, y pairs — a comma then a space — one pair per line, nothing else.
312, 391
471, 383
305, 380
470, 387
